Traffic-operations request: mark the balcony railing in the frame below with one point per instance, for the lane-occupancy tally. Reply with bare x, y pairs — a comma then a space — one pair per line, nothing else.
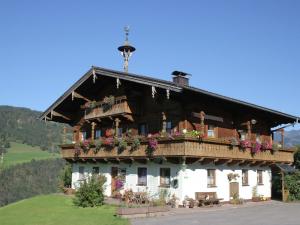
106, 110
188, 147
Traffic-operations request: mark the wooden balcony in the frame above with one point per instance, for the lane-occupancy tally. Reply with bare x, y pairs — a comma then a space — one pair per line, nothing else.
191, 149
105, 110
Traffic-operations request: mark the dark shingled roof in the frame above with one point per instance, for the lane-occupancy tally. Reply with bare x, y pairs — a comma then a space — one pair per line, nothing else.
157, 83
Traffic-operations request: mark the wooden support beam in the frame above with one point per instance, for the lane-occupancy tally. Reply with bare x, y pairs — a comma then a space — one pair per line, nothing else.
206, 161
222, 161
53, 113
77, 95
244, 162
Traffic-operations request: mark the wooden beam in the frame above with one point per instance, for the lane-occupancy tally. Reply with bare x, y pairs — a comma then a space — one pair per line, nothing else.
207, 161
77, 95
244, 162
223, 161
53, 113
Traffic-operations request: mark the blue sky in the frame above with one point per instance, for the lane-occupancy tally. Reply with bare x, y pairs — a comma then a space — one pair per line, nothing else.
243, 49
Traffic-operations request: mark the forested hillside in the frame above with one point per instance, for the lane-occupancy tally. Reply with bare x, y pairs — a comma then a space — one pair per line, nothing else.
22, 125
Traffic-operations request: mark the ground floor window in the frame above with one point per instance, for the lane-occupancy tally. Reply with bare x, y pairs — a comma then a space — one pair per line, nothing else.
211, 178
165, 174
81, 173
95, 170
245, 177
142, 176
260, 177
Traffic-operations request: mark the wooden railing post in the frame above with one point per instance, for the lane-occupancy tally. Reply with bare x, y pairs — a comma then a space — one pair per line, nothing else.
164, 123
202, 126
282, 137
64, 139
93, 130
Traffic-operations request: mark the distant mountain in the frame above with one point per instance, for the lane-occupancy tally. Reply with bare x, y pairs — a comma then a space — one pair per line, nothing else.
292, 137
22, 125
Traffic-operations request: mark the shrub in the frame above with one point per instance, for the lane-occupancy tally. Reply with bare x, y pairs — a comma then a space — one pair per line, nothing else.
135, 144
292, 183
66, 176
90, 192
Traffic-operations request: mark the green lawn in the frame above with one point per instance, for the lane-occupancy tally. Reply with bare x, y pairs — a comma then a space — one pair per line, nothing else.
57, 210
20, 153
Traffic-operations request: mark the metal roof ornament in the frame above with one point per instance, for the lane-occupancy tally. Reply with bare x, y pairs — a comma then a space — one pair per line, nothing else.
168, 93
126, 50
118, 83
153, 91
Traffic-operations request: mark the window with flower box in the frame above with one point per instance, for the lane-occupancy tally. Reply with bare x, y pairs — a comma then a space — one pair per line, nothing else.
142, 176
165, 177
211, 178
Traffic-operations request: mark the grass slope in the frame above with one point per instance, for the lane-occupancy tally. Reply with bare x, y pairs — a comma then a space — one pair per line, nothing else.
20, 153
54, 210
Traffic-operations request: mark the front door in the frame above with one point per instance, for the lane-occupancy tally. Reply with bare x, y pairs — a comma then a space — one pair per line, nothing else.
114, 174
234, 189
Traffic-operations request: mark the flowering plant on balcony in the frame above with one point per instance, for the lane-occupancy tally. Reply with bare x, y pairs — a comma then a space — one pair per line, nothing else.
256, 147
135, 144
98, 143
245, 144
85, 146
266, 145
109, 132
77, 150
234, 141
122, 144
152, 145
110, 141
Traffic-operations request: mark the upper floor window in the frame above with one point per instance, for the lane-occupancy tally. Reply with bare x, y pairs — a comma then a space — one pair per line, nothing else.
98, 133
83, 135
120, 131
142, 176
260, 177
243, 135
211, 178
81, 173
244, 177
211, 131
165, 177
169, 127
143, 129
258, 138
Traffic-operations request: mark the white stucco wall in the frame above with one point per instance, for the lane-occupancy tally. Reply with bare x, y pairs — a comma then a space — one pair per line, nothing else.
192, 179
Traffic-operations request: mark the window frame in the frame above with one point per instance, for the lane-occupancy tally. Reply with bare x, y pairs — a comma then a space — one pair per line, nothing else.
260, 177
245, 177
145, 127
211, 131
95, 170
165, 177
214, 183
81, 171
142, 177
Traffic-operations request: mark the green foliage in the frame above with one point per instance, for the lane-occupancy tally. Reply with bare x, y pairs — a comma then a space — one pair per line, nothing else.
90, 192
22, 125
66, 176
29, 179
57, 209
292, 183
297, 158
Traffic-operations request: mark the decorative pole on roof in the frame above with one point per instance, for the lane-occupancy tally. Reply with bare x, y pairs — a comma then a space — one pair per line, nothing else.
126, 50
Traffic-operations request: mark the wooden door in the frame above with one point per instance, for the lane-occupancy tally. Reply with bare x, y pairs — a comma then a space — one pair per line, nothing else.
114, 174
234, 189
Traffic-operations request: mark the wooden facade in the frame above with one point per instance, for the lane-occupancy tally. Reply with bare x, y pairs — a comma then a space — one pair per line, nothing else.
199, 125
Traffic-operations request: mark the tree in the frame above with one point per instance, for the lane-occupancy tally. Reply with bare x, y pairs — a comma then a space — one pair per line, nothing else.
297, 158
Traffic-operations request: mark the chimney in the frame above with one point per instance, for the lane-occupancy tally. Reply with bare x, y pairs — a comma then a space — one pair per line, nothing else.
180, 78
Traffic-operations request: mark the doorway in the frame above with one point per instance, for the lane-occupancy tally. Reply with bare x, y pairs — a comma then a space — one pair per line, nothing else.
234, 190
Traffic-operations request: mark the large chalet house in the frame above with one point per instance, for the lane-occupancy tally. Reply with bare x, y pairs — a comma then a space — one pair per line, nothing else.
149, 135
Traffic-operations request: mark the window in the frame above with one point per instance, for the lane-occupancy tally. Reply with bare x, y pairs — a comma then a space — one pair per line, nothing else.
98, 133
165, 174
243, 135
211, 178
95, 170
169, 127
211, 131
84, 135
260, 177
258, 138
142, 176
81, 173
143, 129
245, 177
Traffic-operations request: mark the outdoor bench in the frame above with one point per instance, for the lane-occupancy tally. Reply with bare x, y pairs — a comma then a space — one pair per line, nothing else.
207, 198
